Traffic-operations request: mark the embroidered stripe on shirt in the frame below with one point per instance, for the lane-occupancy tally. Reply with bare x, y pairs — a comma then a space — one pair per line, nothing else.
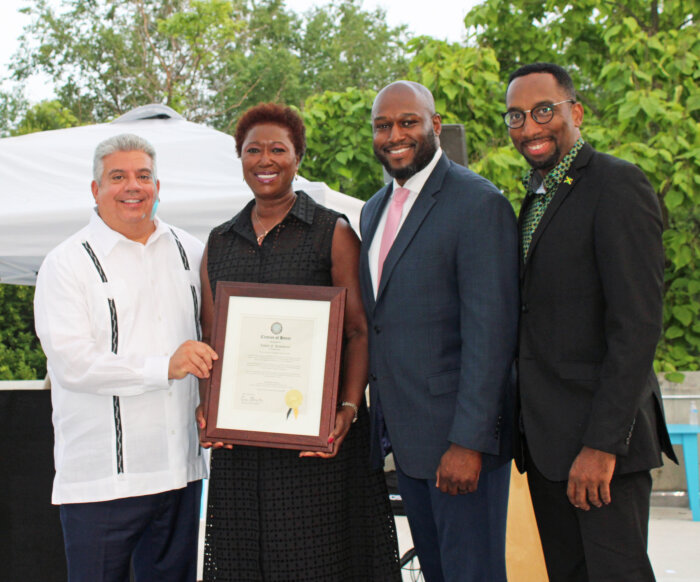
116, 405
196, 311
118, 430
183, 254
95, 261
195, 302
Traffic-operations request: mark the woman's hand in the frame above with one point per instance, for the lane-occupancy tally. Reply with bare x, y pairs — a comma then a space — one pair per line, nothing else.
202, 424
343, 421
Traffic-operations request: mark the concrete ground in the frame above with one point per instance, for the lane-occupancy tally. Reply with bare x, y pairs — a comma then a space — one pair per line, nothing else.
674, 545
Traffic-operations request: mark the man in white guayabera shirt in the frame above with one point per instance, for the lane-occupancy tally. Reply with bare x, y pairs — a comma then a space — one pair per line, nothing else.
117, 312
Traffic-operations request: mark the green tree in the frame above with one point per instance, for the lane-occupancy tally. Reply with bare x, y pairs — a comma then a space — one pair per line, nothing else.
339, 142
12, 105
464, 82
106, 57
207, 59
636, 65
44, 116
21, 357
344, 46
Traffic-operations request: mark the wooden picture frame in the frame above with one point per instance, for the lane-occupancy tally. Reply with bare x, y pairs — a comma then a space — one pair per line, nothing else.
275, 383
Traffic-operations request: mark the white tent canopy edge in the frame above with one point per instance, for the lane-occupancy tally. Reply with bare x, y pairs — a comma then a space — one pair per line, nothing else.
45, 183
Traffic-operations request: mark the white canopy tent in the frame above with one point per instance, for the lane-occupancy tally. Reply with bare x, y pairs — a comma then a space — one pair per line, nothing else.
45, 183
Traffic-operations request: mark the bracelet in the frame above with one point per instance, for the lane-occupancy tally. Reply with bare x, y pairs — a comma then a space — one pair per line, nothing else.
350, 405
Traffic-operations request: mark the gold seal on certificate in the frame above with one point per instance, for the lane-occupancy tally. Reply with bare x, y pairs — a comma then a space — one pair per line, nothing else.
275, 383
293, 399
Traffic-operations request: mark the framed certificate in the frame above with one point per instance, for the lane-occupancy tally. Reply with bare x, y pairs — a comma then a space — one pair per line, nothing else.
275, 383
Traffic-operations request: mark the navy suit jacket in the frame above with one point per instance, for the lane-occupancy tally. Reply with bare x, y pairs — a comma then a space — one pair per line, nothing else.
443, 326
592, 302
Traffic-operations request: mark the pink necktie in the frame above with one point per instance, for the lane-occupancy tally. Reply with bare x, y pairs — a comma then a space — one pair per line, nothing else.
392, 224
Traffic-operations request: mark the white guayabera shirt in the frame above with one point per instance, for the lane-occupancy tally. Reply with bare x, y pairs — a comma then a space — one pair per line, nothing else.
109, 313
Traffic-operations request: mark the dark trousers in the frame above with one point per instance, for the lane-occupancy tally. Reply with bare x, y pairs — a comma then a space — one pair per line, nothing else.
458, 538
158, 532
607, 544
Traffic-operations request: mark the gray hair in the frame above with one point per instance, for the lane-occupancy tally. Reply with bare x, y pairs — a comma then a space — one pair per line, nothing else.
124, 142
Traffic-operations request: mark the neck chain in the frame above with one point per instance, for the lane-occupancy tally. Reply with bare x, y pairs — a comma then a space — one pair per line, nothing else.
266, 231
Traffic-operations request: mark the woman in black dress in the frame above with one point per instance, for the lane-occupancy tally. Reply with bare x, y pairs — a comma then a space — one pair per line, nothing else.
277, 514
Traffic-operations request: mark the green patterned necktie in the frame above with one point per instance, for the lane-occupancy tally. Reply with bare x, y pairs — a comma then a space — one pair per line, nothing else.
540, 201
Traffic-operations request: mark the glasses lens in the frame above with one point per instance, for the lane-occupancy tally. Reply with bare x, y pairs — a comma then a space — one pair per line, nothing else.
514, 119
543, 114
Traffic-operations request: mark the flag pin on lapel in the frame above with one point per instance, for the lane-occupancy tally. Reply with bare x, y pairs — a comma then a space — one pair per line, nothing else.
568, 180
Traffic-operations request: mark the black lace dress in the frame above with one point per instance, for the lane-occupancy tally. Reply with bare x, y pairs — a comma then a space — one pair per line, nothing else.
272, 516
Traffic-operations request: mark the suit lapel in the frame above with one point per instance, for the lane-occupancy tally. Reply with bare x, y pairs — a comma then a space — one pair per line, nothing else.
420, 209
566, 186
521, 218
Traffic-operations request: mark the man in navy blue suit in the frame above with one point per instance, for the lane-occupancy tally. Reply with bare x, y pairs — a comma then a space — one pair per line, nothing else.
439, 275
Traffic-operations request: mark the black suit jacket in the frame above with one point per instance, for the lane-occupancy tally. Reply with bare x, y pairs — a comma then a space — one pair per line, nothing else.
591, 316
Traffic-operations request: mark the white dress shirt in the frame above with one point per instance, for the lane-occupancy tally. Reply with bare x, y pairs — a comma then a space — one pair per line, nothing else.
414, 185
109, 313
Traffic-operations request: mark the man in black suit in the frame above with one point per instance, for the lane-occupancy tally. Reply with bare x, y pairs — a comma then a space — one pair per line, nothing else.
591, 277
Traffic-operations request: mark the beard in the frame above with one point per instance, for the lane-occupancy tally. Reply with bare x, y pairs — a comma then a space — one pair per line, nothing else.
425, 150
547, 164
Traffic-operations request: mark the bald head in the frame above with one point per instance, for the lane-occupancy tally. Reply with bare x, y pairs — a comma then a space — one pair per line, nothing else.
402, 89
405, 129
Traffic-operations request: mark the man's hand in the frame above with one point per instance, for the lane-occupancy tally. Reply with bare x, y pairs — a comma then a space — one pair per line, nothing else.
191, 358
589, 478
459, 470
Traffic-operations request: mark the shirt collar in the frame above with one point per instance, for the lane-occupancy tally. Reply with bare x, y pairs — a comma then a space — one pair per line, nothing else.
416, 182
303, 209
532, 180
106, 238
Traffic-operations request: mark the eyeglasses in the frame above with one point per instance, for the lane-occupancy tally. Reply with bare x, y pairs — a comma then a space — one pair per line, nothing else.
541, 114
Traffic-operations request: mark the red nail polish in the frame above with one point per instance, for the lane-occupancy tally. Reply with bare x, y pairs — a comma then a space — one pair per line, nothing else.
330, 439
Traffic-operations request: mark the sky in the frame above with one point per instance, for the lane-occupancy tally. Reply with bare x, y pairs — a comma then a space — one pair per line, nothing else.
444, 20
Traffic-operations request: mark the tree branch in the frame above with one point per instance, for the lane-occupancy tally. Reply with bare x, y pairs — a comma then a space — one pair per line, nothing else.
234, 106
161, 60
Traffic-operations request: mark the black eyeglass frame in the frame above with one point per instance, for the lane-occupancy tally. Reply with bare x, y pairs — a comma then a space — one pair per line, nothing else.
533, 115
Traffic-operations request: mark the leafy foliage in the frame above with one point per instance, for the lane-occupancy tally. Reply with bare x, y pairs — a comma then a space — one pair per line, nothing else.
45, 116
339, 142
208, 59
636, 65
464, 81
21, 357
344, 46
13, 104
